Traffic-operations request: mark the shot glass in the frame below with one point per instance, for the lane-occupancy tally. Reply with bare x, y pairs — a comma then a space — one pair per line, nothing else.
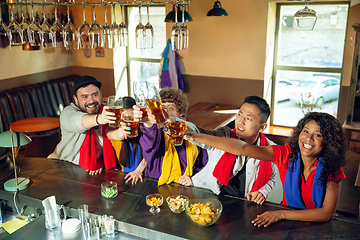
128, 118
115, 106
177, 127
110, 226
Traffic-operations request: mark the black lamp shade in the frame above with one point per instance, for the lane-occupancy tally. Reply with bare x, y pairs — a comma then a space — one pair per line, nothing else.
170, 17
217, 10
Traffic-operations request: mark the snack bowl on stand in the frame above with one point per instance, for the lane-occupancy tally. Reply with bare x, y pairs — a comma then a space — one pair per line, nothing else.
154, 201
177, 203
204, 212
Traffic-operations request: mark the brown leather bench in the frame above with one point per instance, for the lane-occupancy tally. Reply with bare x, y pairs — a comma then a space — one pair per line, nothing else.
46, 99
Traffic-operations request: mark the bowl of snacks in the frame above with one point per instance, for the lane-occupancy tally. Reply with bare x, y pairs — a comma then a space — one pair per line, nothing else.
177, 203
109, 189
204, 212
154, 201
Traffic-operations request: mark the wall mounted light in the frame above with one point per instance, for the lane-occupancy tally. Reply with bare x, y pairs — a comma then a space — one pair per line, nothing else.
170, 17
217, 10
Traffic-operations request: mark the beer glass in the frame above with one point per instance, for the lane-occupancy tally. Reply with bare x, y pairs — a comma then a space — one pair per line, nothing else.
34, 30
115, 106
149, 32
176, 33
177, 127
140, 33
140, 97
128, 117
105, 35
123, 30
84, 30
114, 31
153, 101
94, 32
45, 35
5, 34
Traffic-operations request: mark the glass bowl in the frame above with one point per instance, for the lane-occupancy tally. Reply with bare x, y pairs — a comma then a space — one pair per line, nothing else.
177, 203
109, 189
154, 201
204, 212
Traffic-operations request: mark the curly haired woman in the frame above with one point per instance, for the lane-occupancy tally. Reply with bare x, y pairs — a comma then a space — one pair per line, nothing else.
310, 167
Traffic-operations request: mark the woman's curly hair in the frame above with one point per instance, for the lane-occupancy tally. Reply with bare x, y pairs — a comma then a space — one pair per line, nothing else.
177, 97
334, 146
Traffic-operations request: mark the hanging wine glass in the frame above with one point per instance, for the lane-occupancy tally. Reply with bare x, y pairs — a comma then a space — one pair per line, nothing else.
56, 31
84, 31
95, 31
140, 33
123, 30
149, 32
34, 30
184, 30
5, 34
70, 33
176, 33
15, 29
114, 31
45, 31
106, 40
24, 25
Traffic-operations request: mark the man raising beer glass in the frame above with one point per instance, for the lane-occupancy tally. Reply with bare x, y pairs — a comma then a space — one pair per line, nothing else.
85, 130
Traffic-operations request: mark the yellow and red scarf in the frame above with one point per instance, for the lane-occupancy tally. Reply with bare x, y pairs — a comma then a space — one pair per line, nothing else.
224, 167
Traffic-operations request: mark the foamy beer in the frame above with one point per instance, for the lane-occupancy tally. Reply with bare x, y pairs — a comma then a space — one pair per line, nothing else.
154, 103
115, 106
128, 118
177, 127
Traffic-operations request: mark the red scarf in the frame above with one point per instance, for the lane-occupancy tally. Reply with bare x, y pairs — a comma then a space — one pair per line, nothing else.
88, 159
224, 167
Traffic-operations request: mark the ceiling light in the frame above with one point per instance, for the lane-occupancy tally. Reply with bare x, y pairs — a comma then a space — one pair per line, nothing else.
170, 17
217, 10
305, 19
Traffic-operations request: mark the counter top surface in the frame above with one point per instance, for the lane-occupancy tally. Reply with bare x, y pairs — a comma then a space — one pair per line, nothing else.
72, 187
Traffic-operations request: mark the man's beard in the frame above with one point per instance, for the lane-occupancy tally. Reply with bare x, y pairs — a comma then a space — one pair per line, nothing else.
85, 109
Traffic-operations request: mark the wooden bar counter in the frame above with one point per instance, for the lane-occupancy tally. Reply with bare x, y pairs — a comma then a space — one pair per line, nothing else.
73, 186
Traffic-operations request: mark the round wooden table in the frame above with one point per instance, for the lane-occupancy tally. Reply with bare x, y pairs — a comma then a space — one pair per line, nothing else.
44, 133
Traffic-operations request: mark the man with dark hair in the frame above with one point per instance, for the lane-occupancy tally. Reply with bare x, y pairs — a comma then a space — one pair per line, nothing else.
84, 128
233, 175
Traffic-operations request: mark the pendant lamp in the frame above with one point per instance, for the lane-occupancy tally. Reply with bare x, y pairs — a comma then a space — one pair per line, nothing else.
170, 17
305, 19
217, 10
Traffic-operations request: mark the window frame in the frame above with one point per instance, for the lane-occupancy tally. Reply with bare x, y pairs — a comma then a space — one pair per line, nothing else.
277, 67
129, 59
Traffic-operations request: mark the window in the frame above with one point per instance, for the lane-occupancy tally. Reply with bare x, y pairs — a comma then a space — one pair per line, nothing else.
140, 64
308, 64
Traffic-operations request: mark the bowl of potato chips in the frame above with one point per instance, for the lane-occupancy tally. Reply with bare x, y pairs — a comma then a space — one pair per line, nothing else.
177, 203
204, 212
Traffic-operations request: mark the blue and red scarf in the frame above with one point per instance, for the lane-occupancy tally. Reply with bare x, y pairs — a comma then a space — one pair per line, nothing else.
292, 185
88, 157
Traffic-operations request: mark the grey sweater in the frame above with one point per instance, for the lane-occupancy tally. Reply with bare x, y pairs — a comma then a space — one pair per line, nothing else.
72, 134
